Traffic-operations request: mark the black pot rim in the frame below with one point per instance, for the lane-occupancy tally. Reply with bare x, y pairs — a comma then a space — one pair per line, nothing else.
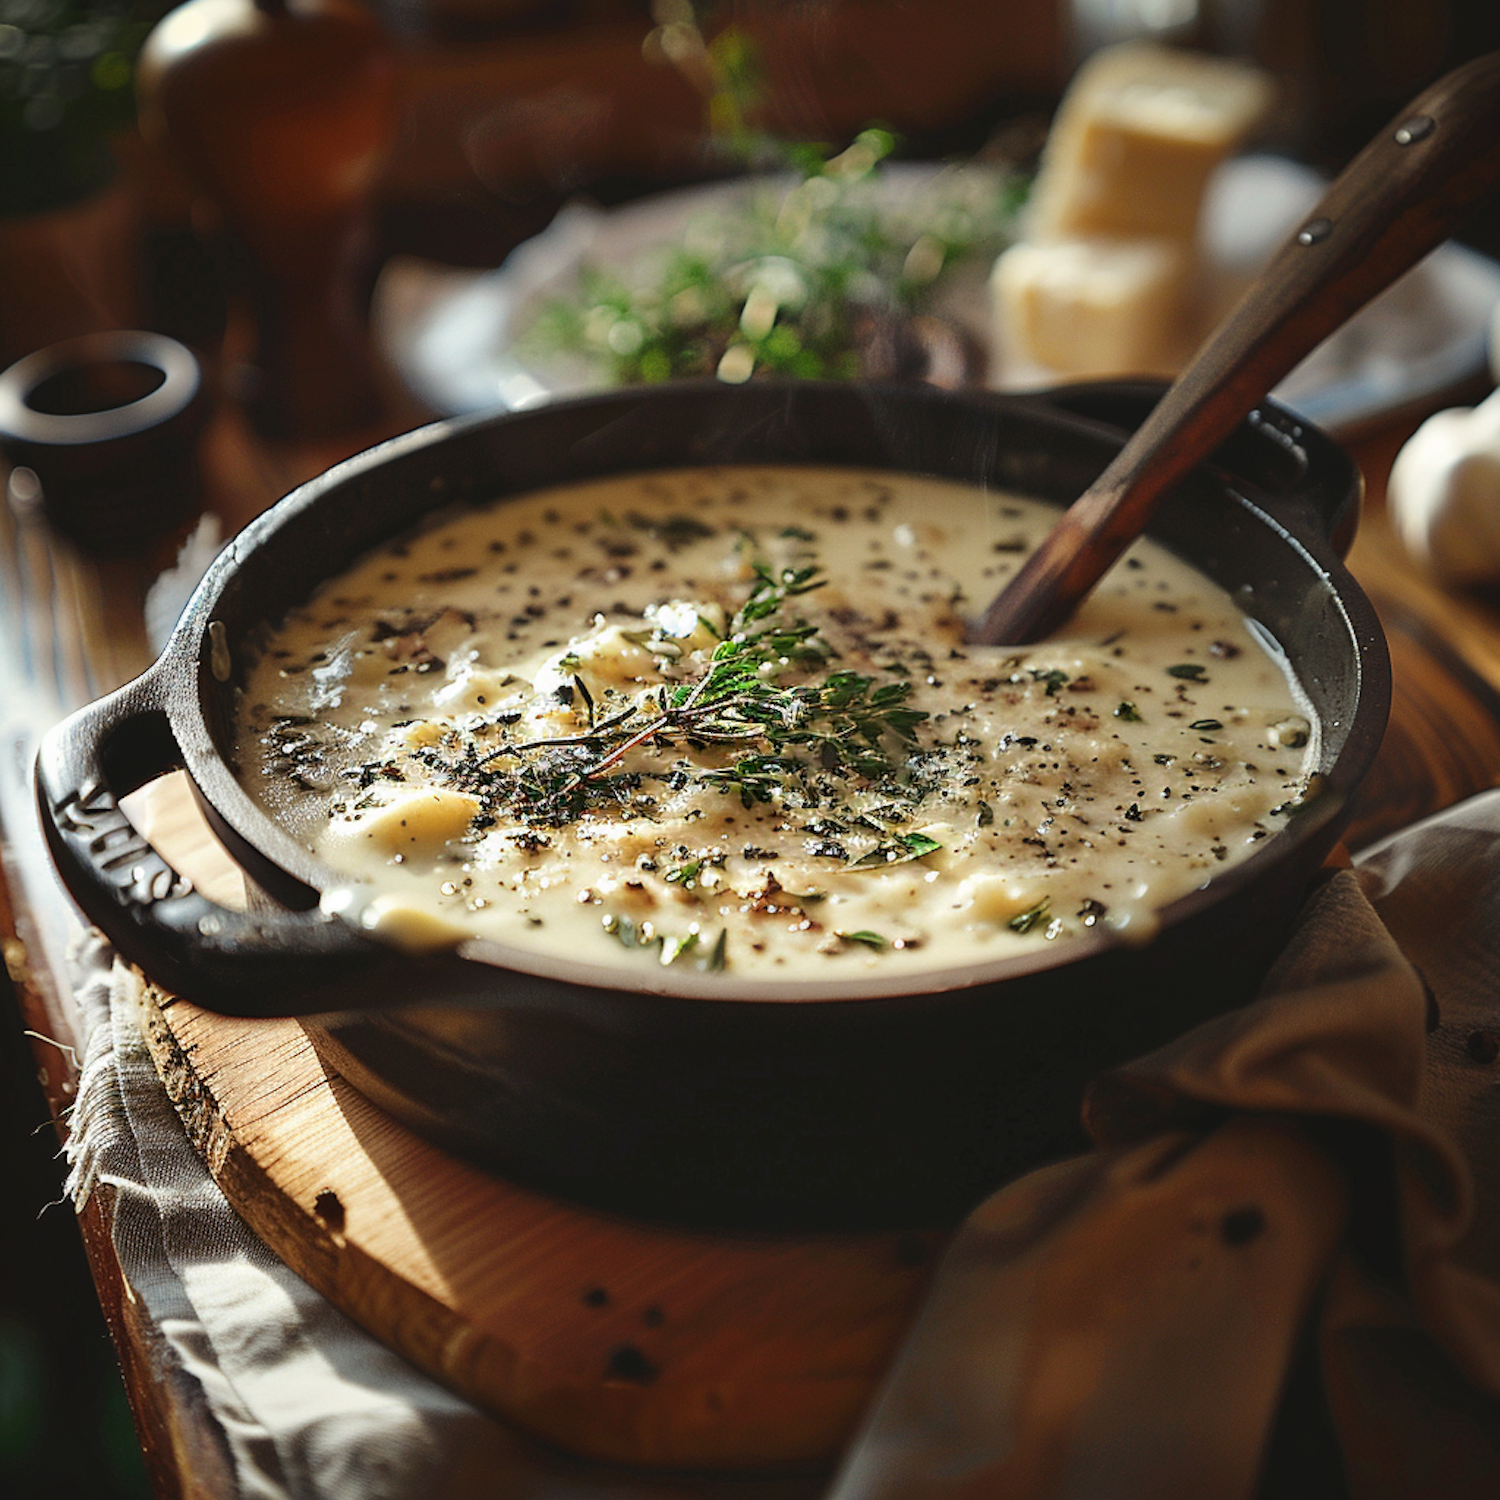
190, 656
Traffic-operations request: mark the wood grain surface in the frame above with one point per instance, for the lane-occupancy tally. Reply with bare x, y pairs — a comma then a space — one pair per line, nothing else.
616, 1340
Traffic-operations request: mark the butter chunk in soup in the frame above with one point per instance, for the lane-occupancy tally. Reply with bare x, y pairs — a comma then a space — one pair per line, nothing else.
727, 719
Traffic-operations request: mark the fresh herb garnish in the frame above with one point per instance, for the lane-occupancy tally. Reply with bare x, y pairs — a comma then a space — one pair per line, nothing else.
1189, 671
839, 723
826, 849
671, 946
1129, 712
867, 939
791, 282
1024, 921
717, 956
906, 846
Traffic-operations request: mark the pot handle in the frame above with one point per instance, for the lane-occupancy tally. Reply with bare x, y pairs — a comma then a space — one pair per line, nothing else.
1288, 465
276, 963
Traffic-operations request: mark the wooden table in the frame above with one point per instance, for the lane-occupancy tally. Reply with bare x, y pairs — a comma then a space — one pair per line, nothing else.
1444, 744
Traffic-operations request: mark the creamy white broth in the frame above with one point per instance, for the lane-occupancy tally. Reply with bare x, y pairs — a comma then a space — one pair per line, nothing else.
523, 724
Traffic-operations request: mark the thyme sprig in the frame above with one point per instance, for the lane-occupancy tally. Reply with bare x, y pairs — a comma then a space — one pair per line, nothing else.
841, 721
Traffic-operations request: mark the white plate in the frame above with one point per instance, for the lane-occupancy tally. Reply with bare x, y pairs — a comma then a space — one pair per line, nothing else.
451, 335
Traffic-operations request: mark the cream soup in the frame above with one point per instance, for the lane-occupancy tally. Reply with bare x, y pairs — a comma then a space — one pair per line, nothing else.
727, 719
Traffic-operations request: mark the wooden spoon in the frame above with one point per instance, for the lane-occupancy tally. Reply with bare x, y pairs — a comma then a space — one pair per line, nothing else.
1401, 197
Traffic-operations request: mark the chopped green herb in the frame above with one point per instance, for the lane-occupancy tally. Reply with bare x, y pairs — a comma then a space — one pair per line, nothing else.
1189, 671
1205, 725
825, 849
1129, 712
867, 939
1024, 921
672, 948
622, 929
906, 846
715, 961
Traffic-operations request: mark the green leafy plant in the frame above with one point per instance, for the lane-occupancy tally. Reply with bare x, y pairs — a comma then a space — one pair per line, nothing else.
66, 74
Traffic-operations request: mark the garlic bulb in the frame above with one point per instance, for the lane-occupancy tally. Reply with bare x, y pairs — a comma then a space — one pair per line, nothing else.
1444, 493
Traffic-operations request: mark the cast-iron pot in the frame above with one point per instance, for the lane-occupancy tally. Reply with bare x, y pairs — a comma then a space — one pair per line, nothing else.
699, 1097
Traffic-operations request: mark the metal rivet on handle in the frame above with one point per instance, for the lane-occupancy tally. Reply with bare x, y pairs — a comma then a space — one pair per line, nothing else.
1418, 128
1314, 231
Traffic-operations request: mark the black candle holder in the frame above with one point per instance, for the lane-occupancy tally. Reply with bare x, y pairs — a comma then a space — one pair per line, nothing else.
109, 423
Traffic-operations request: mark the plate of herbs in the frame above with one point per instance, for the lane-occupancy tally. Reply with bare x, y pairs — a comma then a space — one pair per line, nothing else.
840, 267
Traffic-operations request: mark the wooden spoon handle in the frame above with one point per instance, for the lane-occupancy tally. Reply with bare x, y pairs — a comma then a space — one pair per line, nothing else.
1401, 197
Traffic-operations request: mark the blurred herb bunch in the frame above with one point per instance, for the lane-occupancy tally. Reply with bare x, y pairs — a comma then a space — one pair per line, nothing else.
66, 74
826, 270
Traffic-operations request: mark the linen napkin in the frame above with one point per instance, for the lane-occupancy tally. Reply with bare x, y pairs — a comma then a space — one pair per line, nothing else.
1278, 1273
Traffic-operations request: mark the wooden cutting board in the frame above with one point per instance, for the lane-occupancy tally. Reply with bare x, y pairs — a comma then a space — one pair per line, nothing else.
616, 1340
622, 1341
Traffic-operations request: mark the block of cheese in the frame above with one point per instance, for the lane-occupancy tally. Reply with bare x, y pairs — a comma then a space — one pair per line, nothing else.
1093, 307
1141, 128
